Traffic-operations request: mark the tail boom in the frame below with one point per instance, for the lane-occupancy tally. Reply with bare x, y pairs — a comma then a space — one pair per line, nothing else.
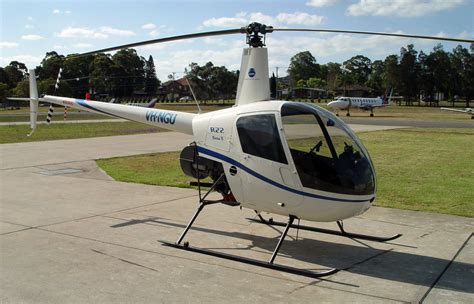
170, 120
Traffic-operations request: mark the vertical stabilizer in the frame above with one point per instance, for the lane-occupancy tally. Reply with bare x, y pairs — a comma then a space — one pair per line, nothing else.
34, 100
254, 83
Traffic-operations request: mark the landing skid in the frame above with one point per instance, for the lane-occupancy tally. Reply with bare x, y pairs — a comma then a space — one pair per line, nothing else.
342, 232
269, 264
203, 202
253, 262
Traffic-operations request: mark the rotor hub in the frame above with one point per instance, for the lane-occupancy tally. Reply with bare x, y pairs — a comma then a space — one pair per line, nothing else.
256, 33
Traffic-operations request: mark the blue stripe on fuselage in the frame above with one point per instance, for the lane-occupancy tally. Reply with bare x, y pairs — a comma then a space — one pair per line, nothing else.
271, 182
83, 103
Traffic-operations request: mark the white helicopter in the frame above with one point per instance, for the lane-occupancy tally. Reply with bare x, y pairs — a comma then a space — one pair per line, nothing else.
289, 158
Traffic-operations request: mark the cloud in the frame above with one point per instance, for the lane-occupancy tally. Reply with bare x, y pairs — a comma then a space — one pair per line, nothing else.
78, 32
244, 18
82, 45
5, 44
101, 33
321, 3
149, 26
225, 22
59, 12
30, 61
29, 26
400, 8
154, 33
300, 18
116, 32
31, 37
159, 30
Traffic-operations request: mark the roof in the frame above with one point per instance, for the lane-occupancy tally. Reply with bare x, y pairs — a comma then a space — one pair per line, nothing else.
355, 87
181, 82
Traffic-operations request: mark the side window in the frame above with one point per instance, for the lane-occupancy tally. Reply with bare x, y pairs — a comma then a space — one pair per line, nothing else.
259, 136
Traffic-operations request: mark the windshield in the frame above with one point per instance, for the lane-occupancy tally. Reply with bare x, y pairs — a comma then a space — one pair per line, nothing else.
327, 154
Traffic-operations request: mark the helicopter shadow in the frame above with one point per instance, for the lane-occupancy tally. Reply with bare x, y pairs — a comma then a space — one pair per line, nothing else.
361, 259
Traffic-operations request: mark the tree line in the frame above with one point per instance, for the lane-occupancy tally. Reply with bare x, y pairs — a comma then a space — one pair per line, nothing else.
411, 73
118, 75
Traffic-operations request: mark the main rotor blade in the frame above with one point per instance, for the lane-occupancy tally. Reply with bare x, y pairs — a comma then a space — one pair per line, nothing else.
372, 33
268, 30
165, 39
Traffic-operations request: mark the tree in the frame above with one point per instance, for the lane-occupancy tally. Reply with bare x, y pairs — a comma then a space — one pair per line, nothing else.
462, 63
425, 77
76, 73
359, 68
50, 65
3, 90
303, 66
14, 73
101, 72
334, 74
375, 80
346, 78
301, 83
129, 72
390, 75
151, 81
223, 82
408, 71
22, 89
212, 81
47, 86
273, 86
440, 67
316, 83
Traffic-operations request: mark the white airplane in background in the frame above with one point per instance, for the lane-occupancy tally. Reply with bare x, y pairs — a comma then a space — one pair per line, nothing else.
150, 104
465, 110
366, 104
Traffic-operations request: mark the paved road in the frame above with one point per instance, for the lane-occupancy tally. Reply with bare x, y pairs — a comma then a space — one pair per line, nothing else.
406, 122
70, 234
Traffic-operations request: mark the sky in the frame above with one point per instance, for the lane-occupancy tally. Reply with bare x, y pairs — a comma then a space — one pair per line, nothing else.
30, 28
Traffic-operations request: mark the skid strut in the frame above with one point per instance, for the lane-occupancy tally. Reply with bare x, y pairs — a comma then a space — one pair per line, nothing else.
254, 262
203, 202
185, 246
340, 224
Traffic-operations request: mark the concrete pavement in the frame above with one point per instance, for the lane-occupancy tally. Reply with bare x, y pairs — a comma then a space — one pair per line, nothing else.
70, 234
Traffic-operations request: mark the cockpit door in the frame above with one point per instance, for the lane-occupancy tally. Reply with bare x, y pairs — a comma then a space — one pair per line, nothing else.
270, 177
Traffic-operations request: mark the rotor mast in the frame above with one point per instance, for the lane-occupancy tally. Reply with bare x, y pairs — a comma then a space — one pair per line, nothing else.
254, 84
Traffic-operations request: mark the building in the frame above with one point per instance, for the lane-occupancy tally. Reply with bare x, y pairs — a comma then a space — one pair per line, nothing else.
355, 90
173, 90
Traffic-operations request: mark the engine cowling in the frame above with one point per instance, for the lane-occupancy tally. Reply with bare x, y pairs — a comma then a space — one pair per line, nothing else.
196, 166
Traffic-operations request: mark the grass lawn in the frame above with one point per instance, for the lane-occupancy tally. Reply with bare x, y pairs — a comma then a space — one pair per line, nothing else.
14, 134
417, 169
424, 169
153, 169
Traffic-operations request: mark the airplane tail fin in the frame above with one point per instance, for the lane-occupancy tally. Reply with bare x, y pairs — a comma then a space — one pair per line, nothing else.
34, 101
389, 100
152, 103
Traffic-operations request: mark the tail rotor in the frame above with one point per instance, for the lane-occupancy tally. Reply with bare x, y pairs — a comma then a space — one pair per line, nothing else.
34, 101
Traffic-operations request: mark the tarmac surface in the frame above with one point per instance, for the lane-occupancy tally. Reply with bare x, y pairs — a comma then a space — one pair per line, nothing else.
409, 122
70, 234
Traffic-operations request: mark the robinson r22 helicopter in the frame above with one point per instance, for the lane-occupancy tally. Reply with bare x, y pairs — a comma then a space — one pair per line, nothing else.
289, 158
